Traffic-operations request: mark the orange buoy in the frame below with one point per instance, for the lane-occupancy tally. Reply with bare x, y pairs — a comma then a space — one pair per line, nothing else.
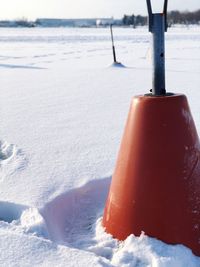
156, 183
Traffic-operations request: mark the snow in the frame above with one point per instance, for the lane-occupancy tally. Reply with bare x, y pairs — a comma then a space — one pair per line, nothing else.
63, 107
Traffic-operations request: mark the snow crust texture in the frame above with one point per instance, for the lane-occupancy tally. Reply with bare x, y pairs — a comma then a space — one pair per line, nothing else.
63, 107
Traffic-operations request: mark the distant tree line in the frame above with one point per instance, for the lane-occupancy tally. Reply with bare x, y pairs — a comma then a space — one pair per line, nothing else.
23, 22
173, 17
134, 20
176, 17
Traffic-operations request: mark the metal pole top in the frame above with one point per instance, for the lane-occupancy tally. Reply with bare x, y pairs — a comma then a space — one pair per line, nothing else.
151, 14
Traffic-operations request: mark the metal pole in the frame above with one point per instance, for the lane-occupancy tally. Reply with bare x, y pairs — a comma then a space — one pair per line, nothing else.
113, 46
165, 13
158, 41
158, 26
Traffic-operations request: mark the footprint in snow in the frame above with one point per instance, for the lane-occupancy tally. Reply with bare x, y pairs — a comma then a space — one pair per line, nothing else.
11, 159
6, 151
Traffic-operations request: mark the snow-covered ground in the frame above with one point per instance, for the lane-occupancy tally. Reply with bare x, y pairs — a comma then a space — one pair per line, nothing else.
62, 112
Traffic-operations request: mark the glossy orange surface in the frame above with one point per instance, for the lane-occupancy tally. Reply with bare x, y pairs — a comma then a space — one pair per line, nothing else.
155, 187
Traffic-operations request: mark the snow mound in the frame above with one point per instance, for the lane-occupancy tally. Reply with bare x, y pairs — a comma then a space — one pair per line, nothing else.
141, 251
70, 217
144, 251
32, 222
117, 65
74, 220
22, 219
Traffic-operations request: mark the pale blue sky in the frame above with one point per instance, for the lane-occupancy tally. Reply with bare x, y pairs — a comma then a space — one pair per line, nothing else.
32, 9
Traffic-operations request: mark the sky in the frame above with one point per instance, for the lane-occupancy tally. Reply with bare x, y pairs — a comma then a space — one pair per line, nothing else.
32, 9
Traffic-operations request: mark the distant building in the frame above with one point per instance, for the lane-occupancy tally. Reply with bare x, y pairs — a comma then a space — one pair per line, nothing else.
104, 21
45, 22
91, 22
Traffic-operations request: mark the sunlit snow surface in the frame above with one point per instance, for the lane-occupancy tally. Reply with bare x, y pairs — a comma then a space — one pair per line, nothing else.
63, 106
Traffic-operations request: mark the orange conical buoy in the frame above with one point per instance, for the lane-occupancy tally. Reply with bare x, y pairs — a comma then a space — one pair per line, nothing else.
156, 183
